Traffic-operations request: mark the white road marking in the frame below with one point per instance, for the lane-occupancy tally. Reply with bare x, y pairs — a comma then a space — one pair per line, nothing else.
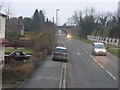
90, 55
60, 85
64, 77
99, 64
111, 75
63, 81
87, 52
104, 69
94, 59
78, 53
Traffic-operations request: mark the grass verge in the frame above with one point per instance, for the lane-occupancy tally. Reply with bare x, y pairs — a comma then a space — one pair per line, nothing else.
24, 50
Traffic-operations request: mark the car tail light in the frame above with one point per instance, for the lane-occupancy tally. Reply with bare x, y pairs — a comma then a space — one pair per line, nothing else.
65, 55
54, 53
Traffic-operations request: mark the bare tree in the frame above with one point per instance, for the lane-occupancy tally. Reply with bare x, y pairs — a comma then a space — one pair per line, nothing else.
70, 21
1, 5
8, 11
89, 11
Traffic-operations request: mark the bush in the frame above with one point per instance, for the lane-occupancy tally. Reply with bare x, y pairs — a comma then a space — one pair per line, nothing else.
43, 41
16, 71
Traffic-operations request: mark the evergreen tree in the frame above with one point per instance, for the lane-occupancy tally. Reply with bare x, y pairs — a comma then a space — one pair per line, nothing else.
28, 24
41, 16
36, 21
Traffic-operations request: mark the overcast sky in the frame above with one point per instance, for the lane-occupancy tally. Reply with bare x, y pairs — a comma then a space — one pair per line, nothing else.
66, 8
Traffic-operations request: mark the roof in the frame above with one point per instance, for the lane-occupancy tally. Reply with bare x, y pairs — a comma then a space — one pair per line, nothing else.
59, 47
15, 21
3, 40
98, 43
3, 15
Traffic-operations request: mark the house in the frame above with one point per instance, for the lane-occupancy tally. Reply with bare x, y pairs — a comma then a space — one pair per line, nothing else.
2, 38
15, 25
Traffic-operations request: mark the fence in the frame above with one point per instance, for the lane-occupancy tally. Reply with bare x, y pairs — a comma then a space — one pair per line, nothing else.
106, 40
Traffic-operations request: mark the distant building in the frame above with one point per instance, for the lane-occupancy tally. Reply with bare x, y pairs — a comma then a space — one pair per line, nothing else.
15, 25
2, 38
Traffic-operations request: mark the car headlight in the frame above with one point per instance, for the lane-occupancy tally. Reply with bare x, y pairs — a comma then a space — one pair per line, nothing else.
96, 50
104, 50
68, 36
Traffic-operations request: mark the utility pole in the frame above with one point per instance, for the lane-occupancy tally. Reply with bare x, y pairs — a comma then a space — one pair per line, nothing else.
53, 19
57, 16
119, 11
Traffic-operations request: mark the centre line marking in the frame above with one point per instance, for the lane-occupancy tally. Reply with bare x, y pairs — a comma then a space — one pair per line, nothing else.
103, 67
87, 52
94, 59
100, 65
78, 53
111, 75
90, 55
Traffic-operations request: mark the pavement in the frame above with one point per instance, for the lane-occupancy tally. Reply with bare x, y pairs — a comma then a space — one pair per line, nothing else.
47, 75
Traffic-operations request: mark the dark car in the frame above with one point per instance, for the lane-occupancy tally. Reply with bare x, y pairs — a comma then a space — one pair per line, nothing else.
18, 55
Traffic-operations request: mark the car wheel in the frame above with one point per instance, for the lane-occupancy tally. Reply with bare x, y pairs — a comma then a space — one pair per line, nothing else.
92, 52
104, 54
53, 59
65, 60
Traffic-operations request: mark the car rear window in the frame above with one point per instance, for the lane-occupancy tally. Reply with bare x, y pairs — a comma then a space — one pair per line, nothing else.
61, 50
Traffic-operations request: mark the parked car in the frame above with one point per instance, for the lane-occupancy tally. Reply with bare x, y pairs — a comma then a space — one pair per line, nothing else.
60, 53
98, 48
18, 55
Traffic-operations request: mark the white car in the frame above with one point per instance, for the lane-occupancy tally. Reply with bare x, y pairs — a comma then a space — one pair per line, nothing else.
60, 53
99, 49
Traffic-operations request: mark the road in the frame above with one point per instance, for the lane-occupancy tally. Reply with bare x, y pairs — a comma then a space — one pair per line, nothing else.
83, 70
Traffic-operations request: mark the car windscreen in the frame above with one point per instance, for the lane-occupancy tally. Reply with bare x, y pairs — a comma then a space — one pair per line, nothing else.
100, 46
61, 50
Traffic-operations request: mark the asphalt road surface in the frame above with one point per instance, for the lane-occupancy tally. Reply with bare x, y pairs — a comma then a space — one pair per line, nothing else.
83, 70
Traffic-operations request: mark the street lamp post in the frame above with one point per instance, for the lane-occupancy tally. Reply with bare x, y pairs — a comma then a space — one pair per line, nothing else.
57, 16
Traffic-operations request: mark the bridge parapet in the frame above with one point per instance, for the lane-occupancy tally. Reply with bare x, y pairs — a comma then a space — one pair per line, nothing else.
106, 40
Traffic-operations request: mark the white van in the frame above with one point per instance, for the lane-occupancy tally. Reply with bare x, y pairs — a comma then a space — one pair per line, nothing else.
99, 49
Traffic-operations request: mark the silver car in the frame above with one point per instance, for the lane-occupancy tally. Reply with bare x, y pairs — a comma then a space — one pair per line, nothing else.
60, 53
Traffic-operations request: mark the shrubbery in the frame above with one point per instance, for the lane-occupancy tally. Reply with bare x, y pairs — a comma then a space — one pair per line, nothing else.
43, 41
17, 71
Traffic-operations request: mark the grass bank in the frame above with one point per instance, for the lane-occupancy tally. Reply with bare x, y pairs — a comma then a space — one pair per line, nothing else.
111, 49
28, 51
